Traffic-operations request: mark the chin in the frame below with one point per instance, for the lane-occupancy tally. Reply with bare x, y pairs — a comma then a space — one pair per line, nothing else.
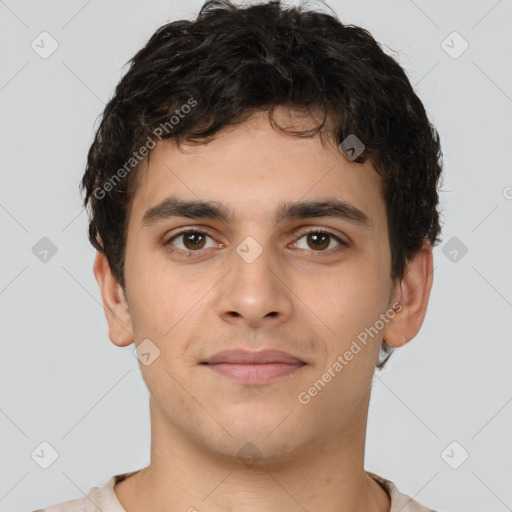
256, 449
264, 434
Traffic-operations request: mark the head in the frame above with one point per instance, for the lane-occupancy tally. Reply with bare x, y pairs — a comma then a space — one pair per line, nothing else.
243, 111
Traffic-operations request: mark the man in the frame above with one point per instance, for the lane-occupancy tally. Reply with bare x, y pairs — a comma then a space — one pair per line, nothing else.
263, 198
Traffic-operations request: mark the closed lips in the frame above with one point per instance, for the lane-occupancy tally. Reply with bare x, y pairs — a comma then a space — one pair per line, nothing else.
248, 357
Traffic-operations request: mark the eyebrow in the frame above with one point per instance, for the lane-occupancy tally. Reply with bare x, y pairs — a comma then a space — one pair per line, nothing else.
199, 209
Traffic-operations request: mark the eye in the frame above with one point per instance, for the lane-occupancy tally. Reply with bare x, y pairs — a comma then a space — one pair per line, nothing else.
192, 240
318, 240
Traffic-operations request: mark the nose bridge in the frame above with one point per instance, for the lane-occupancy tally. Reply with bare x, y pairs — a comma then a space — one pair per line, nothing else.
254, 290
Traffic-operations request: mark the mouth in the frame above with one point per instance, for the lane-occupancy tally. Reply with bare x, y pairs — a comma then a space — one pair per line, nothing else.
254, 367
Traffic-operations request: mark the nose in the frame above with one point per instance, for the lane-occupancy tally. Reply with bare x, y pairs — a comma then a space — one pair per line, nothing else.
255, 291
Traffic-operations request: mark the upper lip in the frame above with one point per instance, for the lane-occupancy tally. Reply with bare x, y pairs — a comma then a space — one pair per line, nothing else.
241, 356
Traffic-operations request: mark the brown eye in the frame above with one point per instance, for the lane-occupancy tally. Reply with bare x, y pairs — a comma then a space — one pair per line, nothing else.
320, 240
191, 241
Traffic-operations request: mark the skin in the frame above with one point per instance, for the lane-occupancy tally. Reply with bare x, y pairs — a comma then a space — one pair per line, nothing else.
311, 456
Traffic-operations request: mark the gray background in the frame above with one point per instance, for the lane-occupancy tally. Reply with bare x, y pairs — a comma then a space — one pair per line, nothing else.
63, 382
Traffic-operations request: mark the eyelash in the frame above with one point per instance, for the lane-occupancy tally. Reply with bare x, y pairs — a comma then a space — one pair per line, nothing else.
342, 243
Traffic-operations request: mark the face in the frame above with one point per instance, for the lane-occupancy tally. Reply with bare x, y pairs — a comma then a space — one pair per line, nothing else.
300, 283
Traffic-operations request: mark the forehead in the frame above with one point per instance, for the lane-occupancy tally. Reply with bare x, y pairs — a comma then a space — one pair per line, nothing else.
252, 169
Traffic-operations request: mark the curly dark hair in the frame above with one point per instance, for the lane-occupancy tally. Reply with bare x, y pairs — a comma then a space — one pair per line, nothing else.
194, 78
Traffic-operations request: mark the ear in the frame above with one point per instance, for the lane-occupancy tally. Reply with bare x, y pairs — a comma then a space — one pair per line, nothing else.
114, 303
412, 293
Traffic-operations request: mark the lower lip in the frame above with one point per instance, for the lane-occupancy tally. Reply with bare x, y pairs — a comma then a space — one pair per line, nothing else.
255, 373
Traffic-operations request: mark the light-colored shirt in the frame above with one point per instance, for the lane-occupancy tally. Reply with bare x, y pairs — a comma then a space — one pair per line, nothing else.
104, 498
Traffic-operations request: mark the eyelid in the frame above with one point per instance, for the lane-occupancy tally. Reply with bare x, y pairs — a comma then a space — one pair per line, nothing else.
326, 231
184, 231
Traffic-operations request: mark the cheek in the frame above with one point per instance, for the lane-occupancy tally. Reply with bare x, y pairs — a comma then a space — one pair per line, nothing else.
350, 301
154, 296
166, 301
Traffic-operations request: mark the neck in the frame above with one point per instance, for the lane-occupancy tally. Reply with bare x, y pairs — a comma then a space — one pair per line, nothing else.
183, 475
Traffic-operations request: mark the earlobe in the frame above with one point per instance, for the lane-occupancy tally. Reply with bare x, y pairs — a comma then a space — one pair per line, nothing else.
114, 303
413, 294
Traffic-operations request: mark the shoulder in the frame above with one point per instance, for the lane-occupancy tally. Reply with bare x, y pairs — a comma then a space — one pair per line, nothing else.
66, 506
399, 502
98, 498
77, 505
